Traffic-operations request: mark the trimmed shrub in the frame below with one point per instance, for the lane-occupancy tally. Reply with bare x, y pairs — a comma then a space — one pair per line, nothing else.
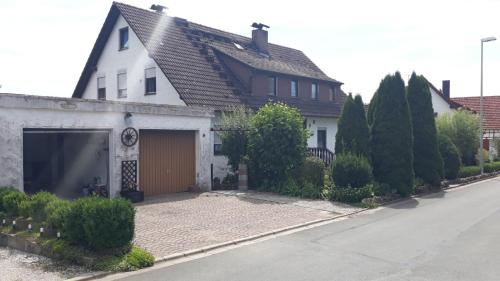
469, 171
57, 213
12, 201
236, 122
312, 171
100, 223
349, 170
391, 136
450, 156
138, 258
277, 145
492, 167
38, 203
3, 192
427, 161
353, 134
25, 208
351, 195
310, 190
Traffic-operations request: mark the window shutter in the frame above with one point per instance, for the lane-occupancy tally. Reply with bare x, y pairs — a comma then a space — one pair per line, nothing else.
151, 72
101, 82
122, 81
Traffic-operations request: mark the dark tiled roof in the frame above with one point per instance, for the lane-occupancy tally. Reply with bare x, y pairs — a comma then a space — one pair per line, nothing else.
185, 52
491, 106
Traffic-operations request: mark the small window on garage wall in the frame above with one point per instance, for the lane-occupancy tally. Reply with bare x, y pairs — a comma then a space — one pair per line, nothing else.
150, 81
101, 88
122, 84
217, 144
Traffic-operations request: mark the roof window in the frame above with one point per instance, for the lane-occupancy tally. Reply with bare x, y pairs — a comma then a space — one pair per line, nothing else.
238, 46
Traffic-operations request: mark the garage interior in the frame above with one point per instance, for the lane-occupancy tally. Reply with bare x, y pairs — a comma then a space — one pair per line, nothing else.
65, 162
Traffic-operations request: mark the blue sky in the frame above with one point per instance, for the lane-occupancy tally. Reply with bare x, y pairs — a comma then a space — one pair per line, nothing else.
45, 43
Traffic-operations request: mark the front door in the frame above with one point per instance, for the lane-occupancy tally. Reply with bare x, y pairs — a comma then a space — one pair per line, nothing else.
321, 138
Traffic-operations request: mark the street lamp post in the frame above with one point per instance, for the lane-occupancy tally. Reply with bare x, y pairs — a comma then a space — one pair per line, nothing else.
481, 113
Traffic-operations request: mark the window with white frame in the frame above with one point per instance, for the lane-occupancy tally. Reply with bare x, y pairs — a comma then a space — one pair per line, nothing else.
314, 91
101, 88
150, 74
217, 144
272, 85
122, 84
294, 90
123, 40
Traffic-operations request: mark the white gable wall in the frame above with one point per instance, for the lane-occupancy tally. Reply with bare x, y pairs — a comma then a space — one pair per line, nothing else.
322, 123
439, 105
134, 60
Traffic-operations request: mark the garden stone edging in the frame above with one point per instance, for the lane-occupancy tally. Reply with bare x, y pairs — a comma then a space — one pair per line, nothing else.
22, 244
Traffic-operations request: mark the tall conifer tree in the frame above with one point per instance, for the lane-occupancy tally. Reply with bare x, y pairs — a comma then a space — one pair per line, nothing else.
391, 136
427, 161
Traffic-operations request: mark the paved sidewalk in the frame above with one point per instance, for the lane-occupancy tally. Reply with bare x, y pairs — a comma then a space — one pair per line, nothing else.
322, 205
181, 222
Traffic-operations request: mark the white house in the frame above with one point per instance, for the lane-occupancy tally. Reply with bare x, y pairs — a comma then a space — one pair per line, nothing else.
441, 101
146, 56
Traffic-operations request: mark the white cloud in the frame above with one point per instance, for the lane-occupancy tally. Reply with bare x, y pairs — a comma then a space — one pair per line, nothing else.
45, 43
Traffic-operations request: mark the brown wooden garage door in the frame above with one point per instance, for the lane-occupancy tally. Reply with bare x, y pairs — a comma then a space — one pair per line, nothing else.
166, 161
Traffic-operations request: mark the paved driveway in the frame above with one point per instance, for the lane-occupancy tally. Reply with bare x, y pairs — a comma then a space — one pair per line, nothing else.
186, 221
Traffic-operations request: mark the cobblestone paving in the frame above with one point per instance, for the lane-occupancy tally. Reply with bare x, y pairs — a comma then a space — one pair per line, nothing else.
19, 266
181, 222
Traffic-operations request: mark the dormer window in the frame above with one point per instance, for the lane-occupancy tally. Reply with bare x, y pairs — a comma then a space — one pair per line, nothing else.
272, 85
331, 93
314, 91
123, 38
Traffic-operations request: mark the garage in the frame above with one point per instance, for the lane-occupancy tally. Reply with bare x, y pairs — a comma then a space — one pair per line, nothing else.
167, 161
69, 163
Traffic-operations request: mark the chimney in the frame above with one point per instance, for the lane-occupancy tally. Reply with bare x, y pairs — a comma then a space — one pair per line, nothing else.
446, 89
158, 8
259, 37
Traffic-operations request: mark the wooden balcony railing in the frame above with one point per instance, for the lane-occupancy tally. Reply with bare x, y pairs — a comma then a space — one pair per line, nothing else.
322, 153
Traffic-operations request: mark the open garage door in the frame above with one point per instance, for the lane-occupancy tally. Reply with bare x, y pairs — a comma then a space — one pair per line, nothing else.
167, 161
65, 162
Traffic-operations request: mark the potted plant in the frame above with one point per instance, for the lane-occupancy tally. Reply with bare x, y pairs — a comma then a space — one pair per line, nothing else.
130, 192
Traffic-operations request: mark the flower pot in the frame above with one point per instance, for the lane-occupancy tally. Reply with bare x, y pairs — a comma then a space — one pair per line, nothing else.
133, 195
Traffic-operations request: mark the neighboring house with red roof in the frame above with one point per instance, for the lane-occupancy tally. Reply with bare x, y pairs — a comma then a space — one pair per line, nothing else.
491, 106
146, 56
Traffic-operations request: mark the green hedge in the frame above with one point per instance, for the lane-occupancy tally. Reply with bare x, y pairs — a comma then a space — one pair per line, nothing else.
99, 223
312, 171
349, 170
351, 195
12, 201
4, 191
469, 171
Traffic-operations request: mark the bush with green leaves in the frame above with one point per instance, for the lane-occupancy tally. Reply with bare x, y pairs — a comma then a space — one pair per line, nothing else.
469, 171
349, 170
353, 134
391, 135
351, 195
462, 127
4, 190
492, 167
100, 223
12, 201
427, 161
277, 144
450, 155
38, 203
57, 213
235, 123
312, 171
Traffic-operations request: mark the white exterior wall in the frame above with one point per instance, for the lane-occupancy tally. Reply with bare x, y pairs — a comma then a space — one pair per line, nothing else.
134, 60
330, 124
439, 105
18, 112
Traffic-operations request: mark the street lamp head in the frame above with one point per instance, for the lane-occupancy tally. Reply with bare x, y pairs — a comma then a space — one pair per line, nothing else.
488, 39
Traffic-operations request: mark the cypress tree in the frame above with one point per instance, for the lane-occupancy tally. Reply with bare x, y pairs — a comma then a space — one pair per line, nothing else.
353, 135
427, 161
391, 136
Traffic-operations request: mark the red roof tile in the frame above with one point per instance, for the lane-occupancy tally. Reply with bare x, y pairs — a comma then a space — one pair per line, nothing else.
491, 106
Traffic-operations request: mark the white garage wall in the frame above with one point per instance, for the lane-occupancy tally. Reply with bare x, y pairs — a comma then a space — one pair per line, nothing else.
19, 111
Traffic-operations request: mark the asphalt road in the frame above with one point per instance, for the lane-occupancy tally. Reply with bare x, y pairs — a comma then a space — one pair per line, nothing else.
452, 235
